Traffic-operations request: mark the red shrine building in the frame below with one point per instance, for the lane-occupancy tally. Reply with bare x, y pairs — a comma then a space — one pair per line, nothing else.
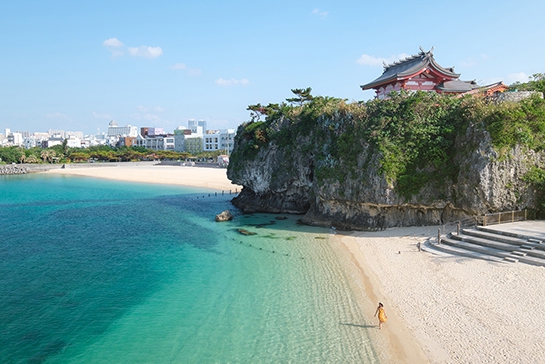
422, 73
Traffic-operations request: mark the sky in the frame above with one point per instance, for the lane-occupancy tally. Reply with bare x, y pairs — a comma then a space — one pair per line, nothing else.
77, 65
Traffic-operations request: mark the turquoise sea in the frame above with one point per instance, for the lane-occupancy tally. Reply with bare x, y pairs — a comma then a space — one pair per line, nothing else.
96, 271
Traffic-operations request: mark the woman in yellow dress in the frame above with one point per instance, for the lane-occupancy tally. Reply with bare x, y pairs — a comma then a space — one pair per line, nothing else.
381, 315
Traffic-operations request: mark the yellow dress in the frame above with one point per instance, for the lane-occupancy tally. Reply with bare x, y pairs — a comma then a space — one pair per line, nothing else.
381, 315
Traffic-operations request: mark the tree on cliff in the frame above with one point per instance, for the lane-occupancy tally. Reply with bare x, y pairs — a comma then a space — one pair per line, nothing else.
302, 96
258, 110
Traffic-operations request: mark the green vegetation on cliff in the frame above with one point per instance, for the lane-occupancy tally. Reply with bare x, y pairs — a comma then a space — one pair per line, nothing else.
413, 133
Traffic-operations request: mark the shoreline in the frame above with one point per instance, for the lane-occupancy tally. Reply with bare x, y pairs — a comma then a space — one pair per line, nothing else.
447, 309
441, 309
213, 178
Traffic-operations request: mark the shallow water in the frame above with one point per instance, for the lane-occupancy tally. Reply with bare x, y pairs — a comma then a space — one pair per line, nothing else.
105, 271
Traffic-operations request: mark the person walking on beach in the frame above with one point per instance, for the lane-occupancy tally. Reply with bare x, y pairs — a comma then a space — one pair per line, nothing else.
381, 315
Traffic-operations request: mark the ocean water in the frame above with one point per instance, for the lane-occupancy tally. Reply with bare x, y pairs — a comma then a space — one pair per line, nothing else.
96, 271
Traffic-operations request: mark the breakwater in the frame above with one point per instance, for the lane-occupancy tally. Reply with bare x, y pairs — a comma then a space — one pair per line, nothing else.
13, 169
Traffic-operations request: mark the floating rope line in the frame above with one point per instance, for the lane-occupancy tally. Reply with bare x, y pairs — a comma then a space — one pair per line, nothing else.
260, 248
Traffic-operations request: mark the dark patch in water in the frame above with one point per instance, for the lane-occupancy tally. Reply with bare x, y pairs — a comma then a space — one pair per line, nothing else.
48, 350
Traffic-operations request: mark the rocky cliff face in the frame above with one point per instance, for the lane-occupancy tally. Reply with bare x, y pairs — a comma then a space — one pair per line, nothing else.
287, 177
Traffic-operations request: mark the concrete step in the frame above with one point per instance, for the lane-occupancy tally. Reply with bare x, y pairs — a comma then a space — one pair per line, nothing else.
493, 236
511, 260
532, 260
519, 253
533, 252
448, 250
459, 243
537, 243
486, 242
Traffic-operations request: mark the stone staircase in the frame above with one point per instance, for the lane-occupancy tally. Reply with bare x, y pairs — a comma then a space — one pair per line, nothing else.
491, 244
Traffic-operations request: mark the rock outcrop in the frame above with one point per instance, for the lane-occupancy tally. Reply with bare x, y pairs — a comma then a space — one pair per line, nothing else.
224, 216
283, 176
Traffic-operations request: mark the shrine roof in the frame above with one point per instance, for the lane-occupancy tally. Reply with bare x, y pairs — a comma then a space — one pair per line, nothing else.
404, 68
457, 86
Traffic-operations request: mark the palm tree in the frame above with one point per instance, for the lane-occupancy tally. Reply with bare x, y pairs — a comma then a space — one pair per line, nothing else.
32, 159
48, 155
45, 155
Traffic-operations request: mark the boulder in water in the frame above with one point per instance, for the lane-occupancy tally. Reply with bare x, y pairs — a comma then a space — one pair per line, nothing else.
224, 216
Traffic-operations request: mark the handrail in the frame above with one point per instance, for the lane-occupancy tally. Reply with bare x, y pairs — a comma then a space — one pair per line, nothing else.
504, 217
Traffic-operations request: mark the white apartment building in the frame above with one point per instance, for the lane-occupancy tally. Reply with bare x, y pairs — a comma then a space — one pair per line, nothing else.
117, 131
219, 140
15, 139
156, 142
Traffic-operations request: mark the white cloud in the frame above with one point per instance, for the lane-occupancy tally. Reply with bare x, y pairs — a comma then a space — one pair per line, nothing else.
145, 109
112, 43
318, 12
467, 63
102, 116
146, 117
118, 48
516, 77
489, 81
115, 46
178, 66
145, 51
367, 60
231, 82
57, 115
194, 72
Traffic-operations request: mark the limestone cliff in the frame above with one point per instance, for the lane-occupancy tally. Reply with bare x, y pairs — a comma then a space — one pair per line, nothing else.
341, 167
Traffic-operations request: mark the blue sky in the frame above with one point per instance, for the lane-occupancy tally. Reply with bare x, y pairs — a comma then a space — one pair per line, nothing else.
76, 65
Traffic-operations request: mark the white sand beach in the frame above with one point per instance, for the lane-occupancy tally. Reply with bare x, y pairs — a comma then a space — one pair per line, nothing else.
458, 310
441, 309
214, 178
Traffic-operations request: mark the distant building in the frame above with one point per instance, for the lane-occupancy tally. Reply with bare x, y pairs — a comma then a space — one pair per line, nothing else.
193, 143
15, 139
75, 134
73, 142
219, 140
51, 132
127, 141
121, 131
179, 138
155, 142
422, 73
192, 124
52, 141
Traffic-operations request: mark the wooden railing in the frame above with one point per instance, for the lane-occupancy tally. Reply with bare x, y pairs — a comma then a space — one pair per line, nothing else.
506, 216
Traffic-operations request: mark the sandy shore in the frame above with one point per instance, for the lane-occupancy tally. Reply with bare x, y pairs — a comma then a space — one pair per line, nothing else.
214, 178
456, 309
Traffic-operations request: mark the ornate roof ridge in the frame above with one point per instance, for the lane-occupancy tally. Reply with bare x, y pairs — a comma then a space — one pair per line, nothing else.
420, 55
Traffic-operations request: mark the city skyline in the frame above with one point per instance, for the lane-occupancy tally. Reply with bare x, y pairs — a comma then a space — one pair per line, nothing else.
76, 66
